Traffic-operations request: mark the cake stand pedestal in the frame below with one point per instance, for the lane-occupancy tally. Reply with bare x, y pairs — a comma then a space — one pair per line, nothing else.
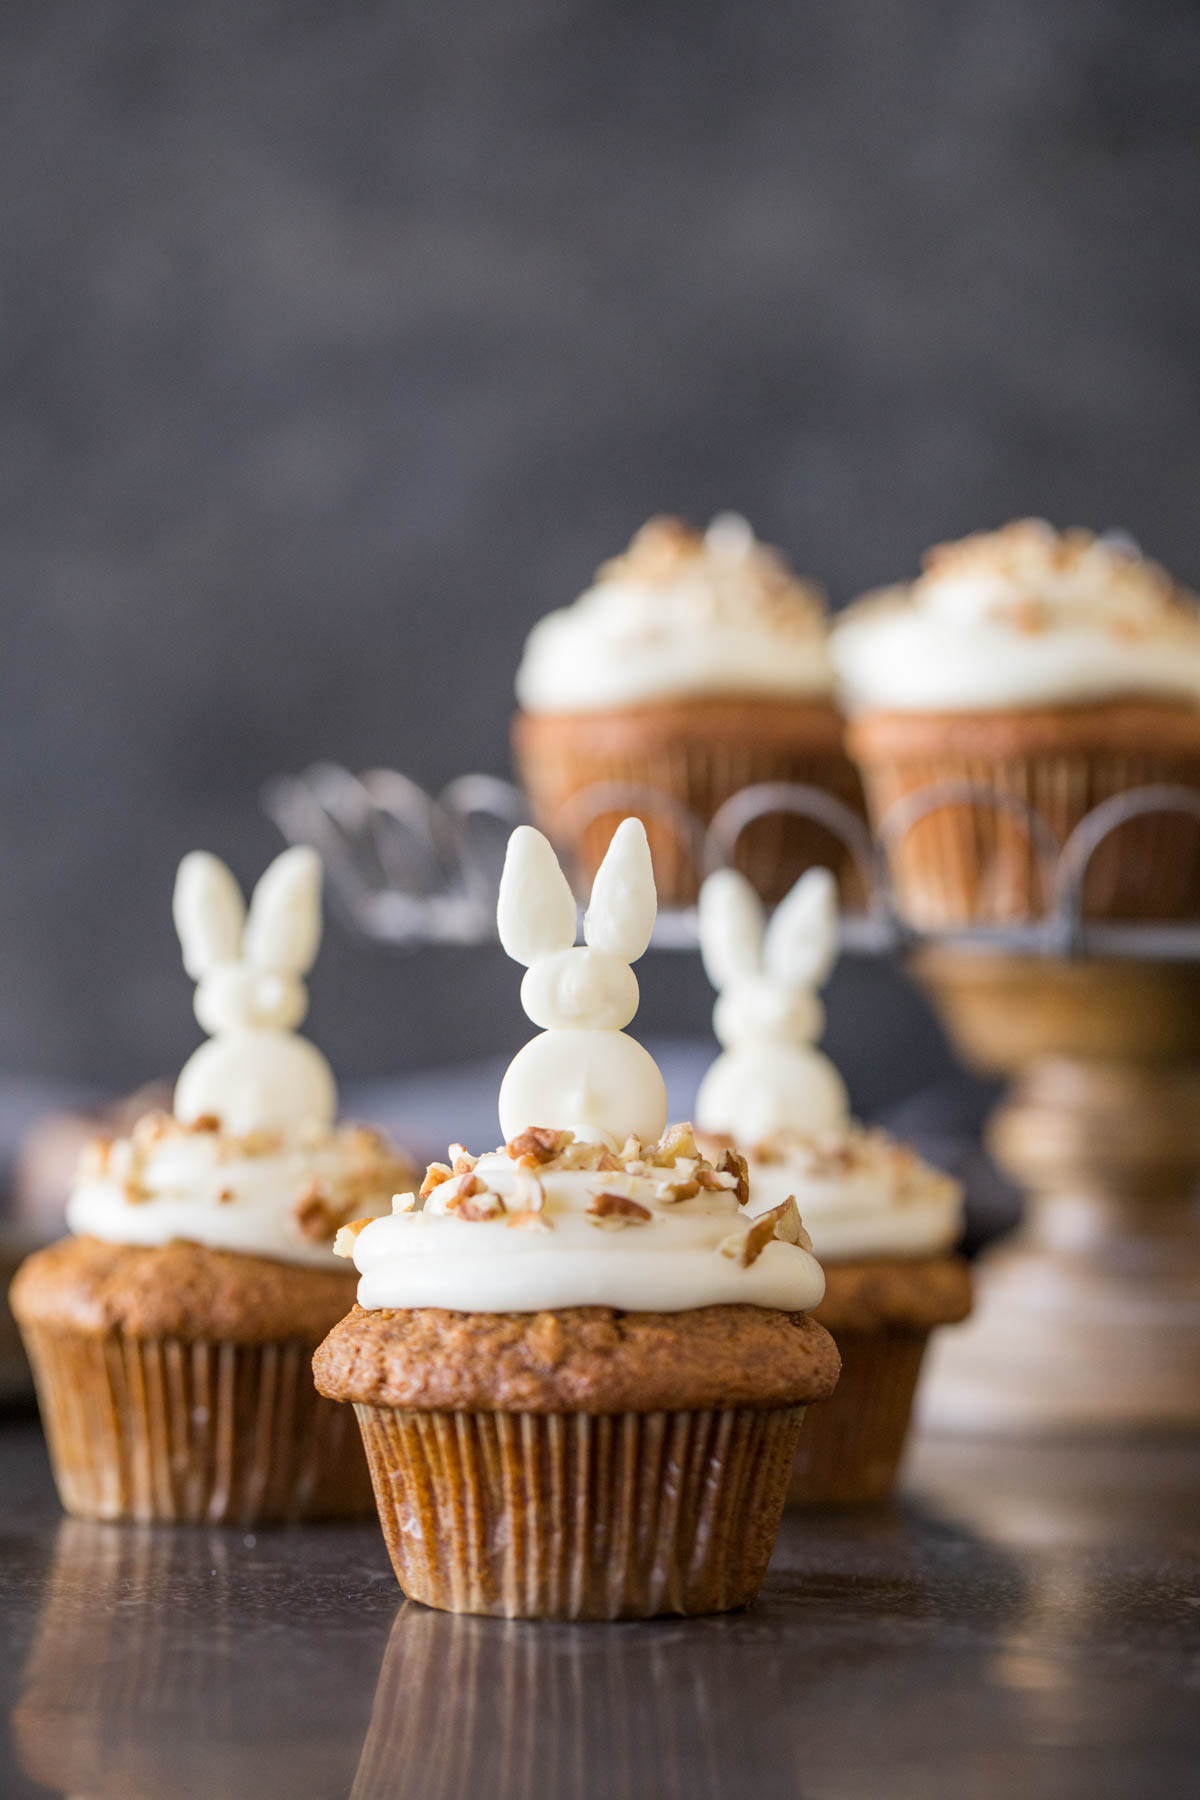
1088, 1317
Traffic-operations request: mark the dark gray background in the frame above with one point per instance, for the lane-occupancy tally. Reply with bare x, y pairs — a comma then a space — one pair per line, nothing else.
340, 341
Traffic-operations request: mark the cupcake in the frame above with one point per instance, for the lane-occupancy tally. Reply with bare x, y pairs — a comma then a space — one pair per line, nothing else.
695, 666
579, 1371
1035, 669
170, 1336
883, 1223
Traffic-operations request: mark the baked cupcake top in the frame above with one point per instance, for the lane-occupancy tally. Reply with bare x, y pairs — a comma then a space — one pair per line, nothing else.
591, 1201
682, 614
550, 1222
251, 1159
1022, 617
779, 1099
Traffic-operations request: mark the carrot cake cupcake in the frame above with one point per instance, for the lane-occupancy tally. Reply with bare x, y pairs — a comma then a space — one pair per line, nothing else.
1026, 668
579, 1370
883, 1223
695, 666
170, 1335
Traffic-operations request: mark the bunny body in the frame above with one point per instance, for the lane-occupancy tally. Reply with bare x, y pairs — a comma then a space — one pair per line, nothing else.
771, 1077
582, 1074
254, 1074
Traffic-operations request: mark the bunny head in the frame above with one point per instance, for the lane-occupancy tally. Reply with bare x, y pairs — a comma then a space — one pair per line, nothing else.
768, 1015
582, 1074
254, 1074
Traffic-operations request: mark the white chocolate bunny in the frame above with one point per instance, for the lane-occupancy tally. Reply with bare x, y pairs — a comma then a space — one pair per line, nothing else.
254, 1074
768, 1017
583, 1074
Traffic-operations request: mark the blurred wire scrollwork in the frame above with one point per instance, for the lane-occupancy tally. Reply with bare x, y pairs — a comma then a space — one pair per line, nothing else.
408, 868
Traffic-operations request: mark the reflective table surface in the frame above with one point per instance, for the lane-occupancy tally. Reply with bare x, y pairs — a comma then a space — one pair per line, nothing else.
1025, 1621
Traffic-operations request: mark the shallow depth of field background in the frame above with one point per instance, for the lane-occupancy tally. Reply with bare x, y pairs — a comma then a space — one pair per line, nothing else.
341, 341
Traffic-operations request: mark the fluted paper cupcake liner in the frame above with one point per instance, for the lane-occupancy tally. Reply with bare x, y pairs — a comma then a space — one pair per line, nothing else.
973, 862
697, 774
580, 1516
203, 1431
850, 1449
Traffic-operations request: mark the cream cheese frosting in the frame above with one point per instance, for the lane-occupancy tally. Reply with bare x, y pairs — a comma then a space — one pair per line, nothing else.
265, 1193
682, 614
1021, 617
550, 1222
860, 1193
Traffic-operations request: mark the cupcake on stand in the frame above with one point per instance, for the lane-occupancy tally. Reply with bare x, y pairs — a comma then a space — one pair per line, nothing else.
170, 1334
694, 667
883, 1223
579, 1370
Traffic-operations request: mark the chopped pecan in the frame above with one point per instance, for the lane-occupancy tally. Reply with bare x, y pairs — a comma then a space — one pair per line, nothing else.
539, 1144
465, 1186
756, 1239
343, 1243
206, 1122
528, 1220
225, 1197
461, 1160
781, 1221
315, 1215
403, 1203
676, 1141
435, 1174
479, 1205
672, 1192
713, 1179
616, 1209
733, 1163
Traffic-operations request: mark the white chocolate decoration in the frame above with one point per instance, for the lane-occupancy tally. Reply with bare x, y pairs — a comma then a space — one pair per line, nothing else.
1022, 617
582, 1074
682, 614
654, 1229
255, 1073
768, 1016
859, 1192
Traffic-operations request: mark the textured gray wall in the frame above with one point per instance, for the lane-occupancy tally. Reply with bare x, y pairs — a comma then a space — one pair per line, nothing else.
340, 341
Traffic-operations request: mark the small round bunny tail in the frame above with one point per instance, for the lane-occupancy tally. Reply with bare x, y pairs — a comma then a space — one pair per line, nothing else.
535, 908
731, 928
283, 930
209, 914
801, 943
624, 902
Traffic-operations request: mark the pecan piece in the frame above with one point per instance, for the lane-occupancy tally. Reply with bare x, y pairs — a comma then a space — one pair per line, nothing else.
734, 1163
480, 1205
435, 1174
316, 1217
343, 1243
616, 1209
539, 1144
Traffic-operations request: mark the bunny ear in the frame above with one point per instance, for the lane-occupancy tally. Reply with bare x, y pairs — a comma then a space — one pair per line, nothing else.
731, 928
284, 927
624, 903
802, 939
209, 913
535, 908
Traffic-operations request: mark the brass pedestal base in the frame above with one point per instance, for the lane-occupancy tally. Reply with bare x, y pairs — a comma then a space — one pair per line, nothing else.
1088, 1318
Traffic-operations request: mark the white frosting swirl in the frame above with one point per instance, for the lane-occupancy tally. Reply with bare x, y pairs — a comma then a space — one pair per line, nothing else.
265, 1193
1026, 616
681, 615
683, 1254
860, 1193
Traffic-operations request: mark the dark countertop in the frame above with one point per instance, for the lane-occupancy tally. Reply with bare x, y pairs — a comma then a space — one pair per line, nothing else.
1025, 1622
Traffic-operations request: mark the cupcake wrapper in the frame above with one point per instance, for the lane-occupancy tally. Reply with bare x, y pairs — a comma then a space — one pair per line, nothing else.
698, 775
972, 862
580, 1516
203, 1432
850, 1449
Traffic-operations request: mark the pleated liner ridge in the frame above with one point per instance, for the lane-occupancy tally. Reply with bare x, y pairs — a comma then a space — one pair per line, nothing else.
580, 1516
850, 1449
974, 861
204, 1432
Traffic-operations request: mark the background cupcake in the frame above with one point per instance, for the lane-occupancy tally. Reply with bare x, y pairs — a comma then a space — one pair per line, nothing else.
579, 1371
882, 1222
1045, 668
696, 665
170, 1336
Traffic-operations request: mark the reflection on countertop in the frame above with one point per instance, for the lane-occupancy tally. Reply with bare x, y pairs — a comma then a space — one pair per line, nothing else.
1026, 1621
